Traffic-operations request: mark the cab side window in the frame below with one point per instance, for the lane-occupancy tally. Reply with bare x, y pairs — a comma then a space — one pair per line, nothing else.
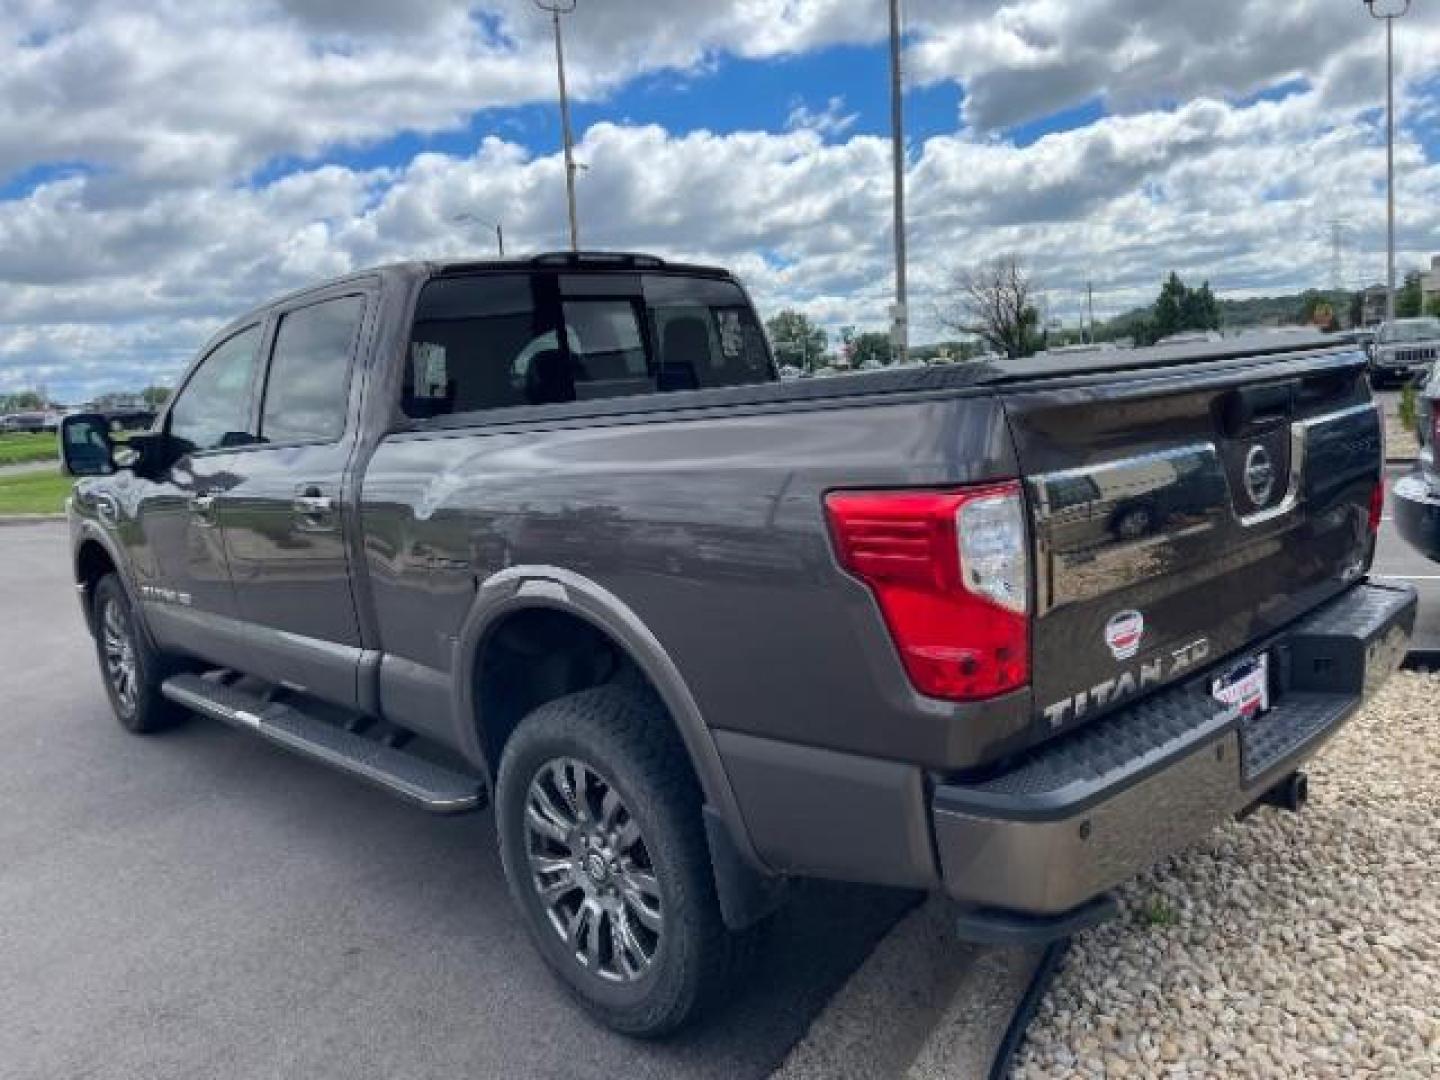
214, 408
482, 342
308, 388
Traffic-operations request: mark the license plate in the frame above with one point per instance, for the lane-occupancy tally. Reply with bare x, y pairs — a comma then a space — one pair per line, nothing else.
1245, 687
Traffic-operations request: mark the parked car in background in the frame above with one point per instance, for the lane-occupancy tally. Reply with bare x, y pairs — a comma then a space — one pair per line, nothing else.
26, 422
1415, 498
1404, 351
553, 535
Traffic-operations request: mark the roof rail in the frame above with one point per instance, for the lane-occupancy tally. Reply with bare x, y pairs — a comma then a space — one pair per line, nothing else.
598, 258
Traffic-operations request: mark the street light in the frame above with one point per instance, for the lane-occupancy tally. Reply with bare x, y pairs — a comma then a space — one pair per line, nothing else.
900, 331
1389, 12
556, 8
499, 231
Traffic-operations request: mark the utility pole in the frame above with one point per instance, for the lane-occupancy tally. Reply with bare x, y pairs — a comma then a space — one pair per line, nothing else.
1090, 304
556, 8
1389, 13
900, 329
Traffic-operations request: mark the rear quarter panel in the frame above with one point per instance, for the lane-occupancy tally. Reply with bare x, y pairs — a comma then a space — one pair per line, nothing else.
709, 526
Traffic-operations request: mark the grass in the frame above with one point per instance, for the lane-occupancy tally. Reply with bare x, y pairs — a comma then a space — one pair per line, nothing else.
18, 449
1157, 911
34, 493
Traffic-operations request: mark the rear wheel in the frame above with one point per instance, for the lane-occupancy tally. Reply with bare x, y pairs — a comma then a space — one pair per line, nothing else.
605, 854
131, 670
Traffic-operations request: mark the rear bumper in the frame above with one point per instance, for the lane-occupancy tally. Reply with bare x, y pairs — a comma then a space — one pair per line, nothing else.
1415, 505
1079, 815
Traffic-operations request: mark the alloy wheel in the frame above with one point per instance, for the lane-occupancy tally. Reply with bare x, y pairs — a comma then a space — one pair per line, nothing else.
120, 666
592, 871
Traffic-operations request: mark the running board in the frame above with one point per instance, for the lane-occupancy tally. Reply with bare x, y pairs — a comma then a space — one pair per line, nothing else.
422, 783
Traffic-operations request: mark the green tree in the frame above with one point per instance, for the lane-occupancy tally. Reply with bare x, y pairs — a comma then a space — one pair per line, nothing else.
1357, 308
1177, 309
1432, 306
1408, 296
1167, 313
870, 349
796, 340
155, 396
22, 401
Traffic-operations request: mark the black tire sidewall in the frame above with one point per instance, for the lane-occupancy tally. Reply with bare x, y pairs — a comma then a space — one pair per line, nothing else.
673, 987
152, 712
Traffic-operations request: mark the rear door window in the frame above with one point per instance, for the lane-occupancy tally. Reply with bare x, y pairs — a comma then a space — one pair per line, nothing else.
308, 389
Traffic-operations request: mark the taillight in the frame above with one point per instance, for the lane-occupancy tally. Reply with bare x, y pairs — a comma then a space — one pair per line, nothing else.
951, 573
1377, 505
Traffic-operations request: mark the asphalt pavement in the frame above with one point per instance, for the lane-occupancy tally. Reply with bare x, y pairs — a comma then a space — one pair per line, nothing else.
199, 904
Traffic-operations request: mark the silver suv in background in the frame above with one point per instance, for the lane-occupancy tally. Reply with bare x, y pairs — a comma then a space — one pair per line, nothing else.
1404, 351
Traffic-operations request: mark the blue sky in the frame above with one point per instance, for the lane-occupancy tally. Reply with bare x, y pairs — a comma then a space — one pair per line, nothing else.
167, 164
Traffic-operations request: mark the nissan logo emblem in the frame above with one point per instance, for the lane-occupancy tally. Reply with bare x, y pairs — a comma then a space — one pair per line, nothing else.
1259, 475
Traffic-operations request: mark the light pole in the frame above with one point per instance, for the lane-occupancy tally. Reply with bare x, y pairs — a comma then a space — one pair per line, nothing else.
499, 229
1389, 12
900, 330
556, 8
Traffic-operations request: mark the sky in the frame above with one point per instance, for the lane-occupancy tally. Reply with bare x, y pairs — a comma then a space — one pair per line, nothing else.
165, 164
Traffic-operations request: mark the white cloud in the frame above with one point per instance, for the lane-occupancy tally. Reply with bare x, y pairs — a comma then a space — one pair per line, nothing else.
830, 120
114, 273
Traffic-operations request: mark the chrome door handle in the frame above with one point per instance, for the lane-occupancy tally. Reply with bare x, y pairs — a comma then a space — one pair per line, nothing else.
313, 505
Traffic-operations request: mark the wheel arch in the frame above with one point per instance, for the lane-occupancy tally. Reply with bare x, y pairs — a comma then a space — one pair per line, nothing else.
94, 557
520, 591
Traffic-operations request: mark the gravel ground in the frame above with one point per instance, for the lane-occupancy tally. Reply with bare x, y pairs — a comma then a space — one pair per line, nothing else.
1286, 946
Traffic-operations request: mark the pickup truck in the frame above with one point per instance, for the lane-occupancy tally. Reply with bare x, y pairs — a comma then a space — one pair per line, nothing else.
551, 535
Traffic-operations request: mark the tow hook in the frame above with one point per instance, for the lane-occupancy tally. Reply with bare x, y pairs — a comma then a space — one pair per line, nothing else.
1290, 793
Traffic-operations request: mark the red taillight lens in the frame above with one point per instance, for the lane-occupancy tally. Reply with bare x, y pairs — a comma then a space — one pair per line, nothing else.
1377, 505
951, 574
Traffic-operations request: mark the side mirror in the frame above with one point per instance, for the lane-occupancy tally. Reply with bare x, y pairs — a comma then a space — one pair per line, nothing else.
85, 445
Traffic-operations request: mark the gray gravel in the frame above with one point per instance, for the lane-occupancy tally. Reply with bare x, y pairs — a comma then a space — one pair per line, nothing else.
1285, 946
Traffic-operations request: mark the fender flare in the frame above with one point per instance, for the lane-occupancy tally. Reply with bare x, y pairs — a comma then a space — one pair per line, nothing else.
88, 531
518, 588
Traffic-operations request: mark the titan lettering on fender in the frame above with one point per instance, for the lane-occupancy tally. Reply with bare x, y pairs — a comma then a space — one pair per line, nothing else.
1152, 672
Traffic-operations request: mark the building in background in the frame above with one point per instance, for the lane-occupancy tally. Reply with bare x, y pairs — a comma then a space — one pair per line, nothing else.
1430, 285
1373, 309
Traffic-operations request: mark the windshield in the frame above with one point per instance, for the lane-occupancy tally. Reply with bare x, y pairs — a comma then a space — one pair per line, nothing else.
1411, 330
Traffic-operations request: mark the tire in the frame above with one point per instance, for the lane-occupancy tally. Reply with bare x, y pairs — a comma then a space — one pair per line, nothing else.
130, 668
1134, 522
650, 949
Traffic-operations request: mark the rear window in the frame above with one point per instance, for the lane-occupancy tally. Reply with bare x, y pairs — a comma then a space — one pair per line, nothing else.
498, 341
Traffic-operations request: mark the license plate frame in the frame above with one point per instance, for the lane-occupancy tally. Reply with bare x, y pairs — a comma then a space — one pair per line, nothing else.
1245, 686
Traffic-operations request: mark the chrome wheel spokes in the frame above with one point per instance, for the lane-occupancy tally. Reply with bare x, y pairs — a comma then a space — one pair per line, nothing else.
592, 871
119, 647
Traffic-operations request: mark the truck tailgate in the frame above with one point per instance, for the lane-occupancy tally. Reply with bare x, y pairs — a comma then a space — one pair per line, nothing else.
1181, 514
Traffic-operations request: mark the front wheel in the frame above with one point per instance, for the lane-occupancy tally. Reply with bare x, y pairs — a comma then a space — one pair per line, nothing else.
604, 850
131, 670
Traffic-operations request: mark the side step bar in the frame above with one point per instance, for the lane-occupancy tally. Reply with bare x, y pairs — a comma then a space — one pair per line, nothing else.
422, 783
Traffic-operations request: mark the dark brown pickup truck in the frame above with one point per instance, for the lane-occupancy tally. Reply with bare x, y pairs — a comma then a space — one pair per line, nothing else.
550, 534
